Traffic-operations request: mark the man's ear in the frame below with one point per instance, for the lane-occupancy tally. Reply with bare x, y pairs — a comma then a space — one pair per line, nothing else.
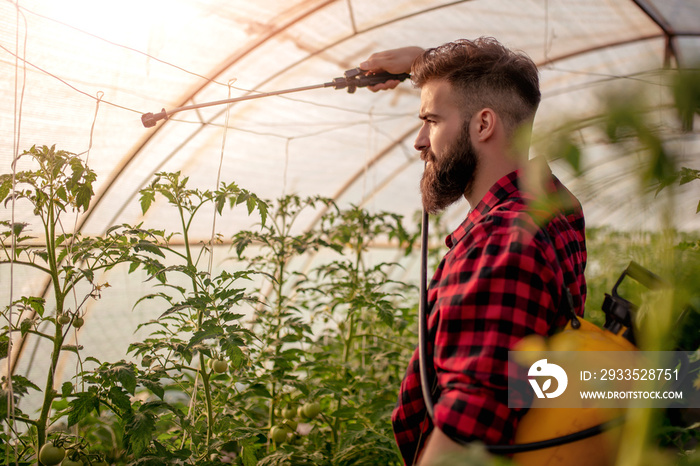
485, 122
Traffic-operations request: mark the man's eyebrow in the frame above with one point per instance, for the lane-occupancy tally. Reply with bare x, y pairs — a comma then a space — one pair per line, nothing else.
427, 116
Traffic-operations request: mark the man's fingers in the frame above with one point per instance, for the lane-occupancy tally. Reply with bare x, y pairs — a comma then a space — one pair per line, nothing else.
376, 63
365, 65
385, 86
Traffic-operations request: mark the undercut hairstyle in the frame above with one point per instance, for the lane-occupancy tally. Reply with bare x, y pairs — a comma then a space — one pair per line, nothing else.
486, 74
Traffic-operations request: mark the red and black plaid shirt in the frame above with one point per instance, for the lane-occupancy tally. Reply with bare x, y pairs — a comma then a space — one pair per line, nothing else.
500, 281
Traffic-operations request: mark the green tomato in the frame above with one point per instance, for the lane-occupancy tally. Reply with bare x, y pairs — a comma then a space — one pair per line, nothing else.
279, 434
312, 409
77, 323
63, 319
300, 412
219, 366
50, 454
289, 412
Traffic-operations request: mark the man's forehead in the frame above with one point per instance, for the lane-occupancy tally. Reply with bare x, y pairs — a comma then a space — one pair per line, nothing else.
437, 97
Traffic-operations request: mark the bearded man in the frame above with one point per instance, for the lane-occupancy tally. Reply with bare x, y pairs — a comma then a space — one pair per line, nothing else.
508, 266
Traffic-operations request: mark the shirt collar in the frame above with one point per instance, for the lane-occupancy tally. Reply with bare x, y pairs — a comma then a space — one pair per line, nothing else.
498, 193
562, 201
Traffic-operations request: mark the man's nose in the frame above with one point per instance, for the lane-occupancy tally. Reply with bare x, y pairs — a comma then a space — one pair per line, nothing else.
422, 140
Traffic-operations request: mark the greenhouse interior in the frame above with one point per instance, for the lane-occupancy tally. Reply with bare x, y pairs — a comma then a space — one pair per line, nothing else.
212, 250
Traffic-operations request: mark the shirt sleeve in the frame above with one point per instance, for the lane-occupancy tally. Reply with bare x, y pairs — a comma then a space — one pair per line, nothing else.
490, 295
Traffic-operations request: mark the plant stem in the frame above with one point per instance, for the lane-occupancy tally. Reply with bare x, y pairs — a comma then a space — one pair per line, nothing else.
271, 413
208, 401
42, 422
35, 332
334, 428
24, 419
27, 263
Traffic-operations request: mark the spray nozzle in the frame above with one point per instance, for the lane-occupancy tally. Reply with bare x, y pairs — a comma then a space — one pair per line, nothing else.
356, 77
149, 120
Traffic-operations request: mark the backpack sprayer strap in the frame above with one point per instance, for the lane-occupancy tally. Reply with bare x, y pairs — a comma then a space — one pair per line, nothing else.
566, 301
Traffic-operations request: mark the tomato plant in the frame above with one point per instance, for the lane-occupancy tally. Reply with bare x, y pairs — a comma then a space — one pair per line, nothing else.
321, 330
201, 321
60, 183
63, 183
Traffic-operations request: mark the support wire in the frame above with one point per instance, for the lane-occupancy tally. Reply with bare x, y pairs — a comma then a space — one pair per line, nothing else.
17, 125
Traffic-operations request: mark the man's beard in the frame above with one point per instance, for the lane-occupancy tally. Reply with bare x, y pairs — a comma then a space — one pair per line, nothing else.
445, 180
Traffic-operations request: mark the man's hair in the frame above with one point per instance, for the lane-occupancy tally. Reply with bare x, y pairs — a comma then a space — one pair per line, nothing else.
486, 74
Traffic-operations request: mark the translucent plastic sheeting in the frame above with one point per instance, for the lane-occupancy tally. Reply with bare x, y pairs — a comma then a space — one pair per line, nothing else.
79, 74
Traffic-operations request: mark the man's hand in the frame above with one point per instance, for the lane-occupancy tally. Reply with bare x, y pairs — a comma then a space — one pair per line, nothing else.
438, 445
395, 61
440, 450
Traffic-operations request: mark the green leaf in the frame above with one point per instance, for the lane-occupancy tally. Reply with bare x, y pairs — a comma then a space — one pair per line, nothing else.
93, 359
66, 389
5, 186
153, 386
34, 302
262, 207
72, 348
83, 196
235, 356
251, 204
688, 175
88, 274
147, 198
81, 406
149, 247
205, 334
119, 398
248, 452
174, 309
4, 346
125, 374
20, 385
139, 431
220, 202
344, 412
61, 194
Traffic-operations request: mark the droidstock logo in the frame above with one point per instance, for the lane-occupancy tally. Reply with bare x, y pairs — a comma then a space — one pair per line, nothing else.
542, 369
